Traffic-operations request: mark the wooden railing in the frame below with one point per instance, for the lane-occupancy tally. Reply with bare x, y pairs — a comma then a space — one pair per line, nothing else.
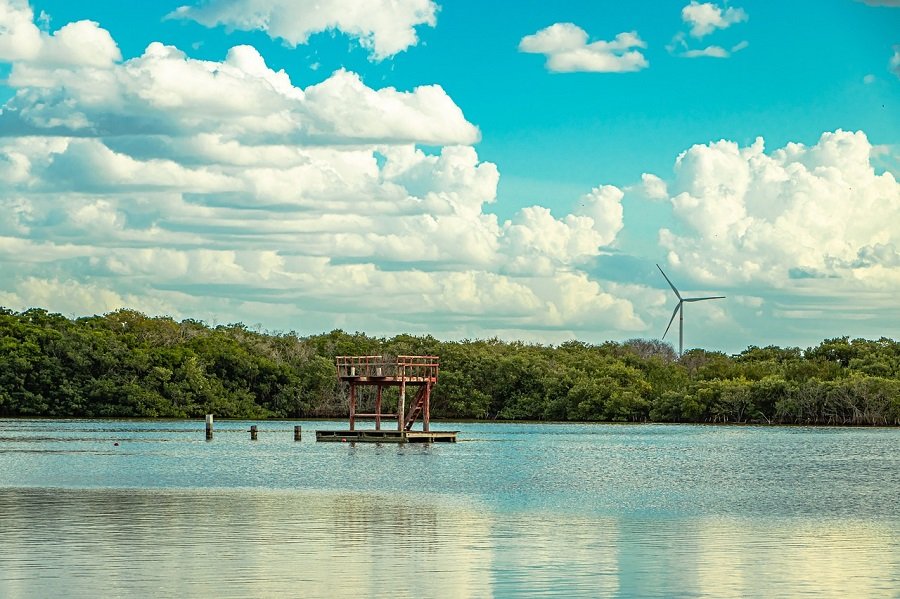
416, 368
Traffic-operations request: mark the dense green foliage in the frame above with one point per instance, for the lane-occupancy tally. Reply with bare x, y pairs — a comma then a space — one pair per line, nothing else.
127, 364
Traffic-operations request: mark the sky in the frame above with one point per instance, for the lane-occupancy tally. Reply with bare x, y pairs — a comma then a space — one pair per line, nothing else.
461, 169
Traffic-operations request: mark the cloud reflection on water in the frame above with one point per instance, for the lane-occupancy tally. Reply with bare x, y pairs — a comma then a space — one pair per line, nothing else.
240, 543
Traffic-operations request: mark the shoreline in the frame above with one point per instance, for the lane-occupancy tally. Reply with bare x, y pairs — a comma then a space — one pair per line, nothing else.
462, 421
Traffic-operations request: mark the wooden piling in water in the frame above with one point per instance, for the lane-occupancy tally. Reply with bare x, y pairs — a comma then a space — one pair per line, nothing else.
296, 433
209, 427
253, 431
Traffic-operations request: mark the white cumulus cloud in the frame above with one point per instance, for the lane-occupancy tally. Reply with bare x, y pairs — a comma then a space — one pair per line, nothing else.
82, 43
188, 186
19, 36
799, 213
709, 52
704, 18
384, 27
567, 50
166, 92
653, 187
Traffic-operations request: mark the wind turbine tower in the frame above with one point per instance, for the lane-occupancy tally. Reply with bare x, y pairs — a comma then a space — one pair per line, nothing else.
679, 310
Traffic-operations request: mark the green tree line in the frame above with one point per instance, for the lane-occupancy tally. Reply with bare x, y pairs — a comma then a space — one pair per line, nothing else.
126, 364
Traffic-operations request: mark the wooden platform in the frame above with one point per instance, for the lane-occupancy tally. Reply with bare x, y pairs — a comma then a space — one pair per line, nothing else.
389, 381
386, 436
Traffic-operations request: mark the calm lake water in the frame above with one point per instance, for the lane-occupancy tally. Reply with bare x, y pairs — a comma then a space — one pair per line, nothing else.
511, 510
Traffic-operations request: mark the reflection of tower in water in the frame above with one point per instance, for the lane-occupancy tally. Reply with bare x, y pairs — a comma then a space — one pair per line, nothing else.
243, 543
424, 546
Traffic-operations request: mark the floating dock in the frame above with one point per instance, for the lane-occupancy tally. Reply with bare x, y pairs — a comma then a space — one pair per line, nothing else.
383, 436
378, 373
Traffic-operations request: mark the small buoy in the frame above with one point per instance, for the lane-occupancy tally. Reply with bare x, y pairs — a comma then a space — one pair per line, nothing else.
343, 440
116, 444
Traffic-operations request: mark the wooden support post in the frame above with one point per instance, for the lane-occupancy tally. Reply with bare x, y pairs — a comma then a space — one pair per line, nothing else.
253, 431
209, 427
378, 407
352, 406
296, 433
426, 417
401, 407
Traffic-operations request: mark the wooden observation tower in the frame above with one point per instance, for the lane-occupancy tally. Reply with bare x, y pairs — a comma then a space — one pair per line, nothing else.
405, 373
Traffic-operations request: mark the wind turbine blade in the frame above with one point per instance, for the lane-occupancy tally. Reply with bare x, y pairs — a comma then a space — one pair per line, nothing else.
700, 299
668, 281
671, 320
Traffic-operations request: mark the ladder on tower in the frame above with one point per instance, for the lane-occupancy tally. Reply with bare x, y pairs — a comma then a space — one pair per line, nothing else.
418, 404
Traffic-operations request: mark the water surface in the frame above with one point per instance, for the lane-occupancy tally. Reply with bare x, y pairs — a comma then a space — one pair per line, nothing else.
511, 510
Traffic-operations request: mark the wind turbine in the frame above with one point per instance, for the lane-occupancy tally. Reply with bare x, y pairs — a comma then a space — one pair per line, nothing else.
680, 311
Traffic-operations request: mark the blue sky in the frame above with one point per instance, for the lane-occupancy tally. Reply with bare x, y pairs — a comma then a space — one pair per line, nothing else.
458, 169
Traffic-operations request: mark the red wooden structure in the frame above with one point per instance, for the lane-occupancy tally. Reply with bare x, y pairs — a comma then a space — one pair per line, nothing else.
419, 372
